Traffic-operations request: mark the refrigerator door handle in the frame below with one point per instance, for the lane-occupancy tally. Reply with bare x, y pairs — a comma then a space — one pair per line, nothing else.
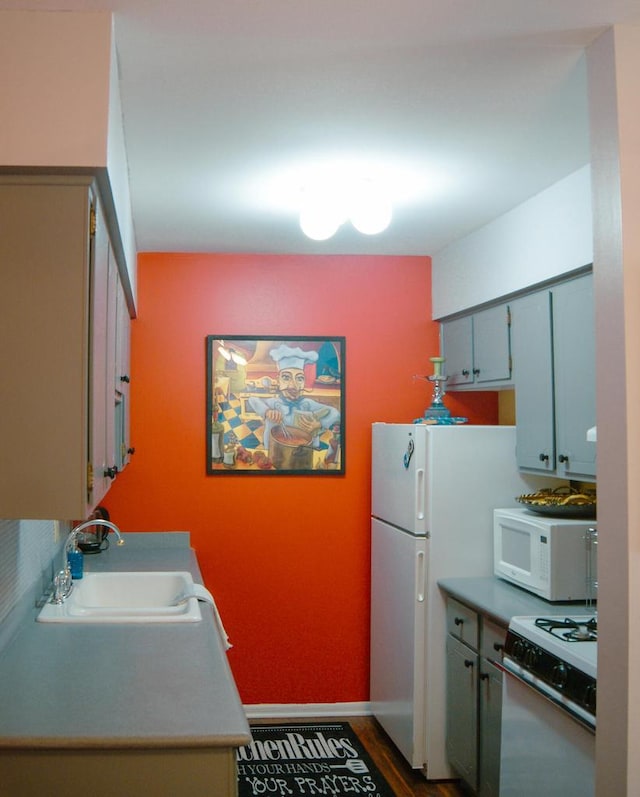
406, 460
420, 560
419, 495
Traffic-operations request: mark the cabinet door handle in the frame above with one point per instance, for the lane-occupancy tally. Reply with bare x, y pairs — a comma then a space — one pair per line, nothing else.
458, 621
543, 457
468, 663
563, 458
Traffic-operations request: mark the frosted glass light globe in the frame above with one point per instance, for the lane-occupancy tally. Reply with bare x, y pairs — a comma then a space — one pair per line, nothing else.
371, 211
321, 213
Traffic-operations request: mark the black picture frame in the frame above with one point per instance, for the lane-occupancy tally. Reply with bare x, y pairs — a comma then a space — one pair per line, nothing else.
275, 405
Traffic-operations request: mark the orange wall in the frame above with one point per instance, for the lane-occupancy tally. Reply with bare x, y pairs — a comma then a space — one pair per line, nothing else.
287, 557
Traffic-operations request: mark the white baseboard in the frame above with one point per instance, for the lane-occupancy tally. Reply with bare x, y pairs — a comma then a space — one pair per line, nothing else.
306, 710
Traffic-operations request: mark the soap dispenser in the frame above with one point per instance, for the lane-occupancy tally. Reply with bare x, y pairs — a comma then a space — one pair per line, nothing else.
75, 558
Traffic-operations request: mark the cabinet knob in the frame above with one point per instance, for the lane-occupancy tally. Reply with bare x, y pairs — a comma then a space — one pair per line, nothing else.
498, 647
468, 663
465, 372
458, 621
111, 473
484, 676
476, 371
543, 457
125, 378
131, 451
563, 458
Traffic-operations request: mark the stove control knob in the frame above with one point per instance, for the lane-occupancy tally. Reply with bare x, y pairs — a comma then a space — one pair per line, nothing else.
519, 649
559, 675
590, 698
532, 657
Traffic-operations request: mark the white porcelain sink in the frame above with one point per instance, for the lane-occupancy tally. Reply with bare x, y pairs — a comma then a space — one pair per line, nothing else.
132, 597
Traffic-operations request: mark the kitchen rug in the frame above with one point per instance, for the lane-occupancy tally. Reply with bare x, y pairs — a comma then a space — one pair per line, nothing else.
297, 760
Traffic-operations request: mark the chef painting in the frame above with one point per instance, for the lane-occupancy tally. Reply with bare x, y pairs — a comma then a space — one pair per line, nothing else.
292, 416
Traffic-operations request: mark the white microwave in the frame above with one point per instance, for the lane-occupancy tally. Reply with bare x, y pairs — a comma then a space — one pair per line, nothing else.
546, 556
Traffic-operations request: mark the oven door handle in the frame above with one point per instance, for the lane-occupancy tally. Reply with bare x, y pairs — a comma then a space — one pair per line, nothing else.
513, 669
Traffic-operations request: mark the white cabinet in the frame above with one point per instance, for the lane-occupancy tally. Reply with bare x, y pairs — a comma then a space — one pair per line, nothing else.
56, 343
477, 349
553, 344
474, 698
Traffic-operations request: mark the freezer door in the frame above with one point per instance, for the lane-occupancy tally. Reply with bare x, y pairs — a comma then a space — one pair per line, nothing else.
398, 475
399, 565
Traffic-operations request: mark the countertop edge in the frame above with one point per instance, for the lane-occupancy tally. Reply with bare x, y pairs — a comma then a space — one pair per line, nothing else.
125, 743
500, 601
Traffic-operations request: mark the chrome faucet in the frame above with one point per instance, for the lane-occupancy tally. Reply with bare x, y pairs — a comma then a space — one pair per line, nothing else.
95, 522
63, 583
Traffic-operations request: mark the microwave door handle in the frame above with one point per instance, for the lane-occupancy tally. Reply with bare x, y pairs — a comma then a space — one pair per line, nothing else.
419, 496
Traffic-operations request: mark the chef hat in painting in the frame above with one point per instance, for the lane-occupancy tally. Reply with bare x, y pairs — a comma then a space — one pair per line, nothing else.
288, 357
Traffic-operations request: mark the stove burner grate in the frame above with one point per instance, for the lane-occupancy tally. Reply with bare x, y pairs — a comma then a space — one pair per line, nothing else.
570, 630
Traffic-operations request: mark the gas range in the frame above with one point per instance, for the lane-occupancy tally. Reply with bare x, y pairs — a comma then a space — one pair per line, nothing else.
558, 656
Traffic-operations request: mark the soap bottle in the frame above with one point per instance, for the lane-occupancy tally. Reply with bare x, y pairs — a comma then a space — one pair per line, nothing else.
75, 558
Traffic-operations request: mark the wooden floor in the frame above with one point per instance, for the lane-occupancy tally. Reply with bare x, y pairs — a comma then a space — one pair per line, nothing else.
404, 781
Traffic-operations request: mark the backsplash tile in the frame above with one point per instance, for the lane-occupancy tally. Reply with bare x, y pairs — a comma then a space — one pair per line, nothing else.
27, 552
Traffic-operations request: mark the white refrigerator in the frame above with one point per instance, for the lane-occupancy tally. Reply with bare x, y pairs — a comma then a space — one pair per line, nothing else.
434, 489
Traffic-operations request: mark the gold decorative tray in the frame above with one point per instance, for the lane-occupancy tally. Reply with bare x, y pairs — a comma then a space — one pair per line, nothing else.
561, 502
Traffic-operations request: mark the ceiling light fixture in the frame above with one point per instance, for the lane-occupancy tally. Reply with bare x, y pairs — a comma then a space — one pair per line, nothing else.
321, 215
327, 205
370, 208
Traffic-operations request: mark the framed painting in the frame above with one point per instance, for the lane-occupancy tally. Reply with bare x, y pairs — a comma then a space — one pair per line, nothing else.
275, 405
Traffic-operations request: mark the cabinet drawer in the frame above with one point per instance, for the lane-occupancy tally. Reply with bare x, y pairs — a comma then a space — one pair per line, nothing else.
492, 638
462, 623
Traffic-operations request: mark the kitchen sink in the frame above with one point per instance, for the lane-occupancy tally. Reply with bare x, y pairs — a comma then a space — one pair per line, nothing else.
128, 597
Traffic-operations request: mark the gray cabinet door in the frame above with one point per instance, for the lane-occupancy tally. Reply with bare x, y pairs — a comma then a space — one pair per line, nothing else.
531, 346
490, 729
553, 345
477, 348
457, 349
574, 373
491, 345
462, 710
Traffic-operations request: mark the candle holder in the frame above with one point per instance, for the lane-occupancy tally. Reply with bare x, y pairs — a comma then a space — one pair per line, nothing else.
436, 412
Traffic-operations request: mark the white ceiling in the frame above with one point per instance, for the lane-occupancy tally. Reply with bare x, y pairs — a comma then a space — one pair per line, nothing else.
466, 108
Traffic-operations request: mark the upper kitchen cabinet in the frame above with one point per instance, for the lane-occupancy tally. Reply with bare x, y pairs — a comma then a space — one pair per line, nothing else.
58, 343
477, 349
553, 344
